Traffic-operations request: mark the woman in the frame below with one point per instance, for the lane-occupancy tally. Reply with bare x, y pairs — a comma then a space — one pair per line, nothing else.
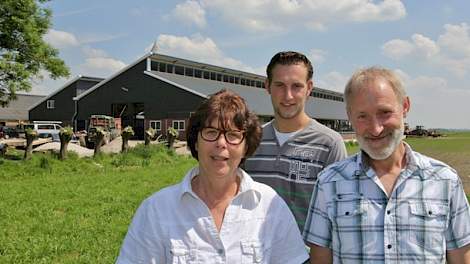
217, 214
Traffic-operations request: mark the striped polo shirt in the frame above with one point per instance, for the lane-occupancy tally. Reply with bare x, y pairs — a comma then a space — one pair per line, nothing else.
291, 169
426, 214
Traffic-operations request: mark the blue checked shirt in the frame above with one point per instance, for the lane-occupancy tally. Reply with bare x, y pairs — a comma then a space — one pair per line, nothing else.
426, 214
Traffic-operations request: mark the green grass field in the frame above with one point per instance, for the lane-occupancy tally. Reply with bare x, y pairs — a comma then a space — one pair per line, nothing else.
78, 210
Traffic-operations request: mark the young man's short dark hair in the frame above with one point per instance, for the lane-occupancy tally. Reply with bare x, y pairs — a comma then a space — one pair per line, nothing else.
289, 58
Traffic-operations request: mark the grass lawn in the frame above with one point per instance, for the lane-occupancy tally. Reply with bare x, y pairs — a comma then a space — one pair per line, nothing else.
77, 211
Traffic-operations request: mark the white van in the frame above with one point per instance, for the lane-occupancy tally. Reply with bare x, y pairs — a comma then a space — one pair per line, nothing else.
46, 129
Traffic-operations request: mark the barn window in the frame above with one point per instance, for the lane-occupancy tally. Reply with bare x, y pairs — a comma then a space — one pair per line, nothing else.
197, 73
162, 67
179, 70
156, 124
169, 68
189, 72
178, 125
50, 104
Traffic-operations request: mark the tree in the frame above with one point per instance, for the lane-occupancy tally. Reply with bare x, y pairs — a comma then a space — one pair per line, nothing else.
172, 134
99, 140
125, 135
150, 135
23, 52
65, 136
30, 135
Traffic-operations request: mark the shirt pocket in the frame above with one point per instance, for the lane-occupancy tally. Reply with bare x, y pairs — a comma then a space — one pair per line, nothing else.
179, 253
349, 219
253, 252
427, 225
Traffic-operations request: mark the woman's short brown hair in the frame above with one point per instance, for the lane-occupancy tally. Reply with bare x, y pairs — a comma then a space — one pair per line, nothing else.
232, 112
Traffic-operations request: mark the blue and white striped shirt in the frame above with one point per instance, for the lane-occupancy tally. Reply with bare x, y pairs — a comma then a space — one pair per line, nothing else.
426, 214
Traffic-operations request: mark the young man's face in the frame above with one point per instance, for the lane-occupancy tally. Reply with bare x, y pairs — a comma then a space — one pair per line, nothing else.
377, 117
289, 90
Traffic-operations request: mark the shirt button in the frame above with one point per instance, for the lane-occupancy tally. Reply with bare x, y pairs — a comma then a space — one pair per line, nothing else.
389, 246
388, 212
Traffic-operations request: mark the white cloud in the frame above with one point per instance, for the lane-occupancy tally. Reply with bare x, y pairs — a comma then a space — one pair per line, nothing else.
425, 45
451, 51
456, 39
317, 56
199, 49
334, 81
190, 12
397, 48
435, 103
383, 11
91, 52
280, 15
96, 38
100, 66
96, 61
60, 39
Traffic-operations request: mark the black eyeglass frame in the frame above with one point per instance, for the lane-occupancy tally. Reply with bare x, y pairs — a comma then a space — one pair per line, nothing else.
224, 132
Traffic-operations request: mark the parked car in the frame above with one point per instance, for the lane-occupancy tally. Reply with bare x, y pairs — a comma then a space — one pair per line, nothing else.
8, 132
46, 129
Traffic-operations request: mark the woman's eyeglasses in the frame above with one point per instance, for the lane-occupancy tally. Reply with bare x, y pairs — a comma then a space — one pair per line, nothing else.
233, 137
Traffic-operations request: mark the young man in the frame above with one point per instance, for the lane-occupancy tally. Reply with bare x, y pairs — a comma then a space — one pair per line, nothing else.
294, 147
386, 204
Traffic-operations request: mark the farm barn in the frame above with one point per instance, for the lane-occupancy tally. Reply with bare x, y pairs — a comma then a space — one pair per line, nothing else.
160, 91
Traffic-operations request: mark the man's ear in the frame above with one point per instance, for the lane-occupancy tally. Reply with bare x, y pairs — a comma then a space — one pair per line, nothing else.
309, 86
267, 86
406, 106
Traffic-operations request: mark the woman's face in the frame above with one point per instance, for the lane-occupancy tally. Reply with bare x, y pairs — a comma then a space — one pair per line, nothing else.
219, 158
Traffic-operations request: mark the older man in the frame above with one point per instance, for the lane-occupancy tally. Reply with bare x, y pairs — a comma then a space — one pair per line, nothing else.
386, 204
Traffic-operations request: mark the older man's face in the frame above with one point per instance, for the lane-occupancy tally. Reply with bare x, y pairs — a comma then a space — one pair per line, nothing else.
377, 116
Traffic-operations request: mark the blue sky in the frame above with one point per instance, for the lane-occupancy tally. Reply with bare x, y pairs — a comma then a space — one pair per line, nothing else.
426, 42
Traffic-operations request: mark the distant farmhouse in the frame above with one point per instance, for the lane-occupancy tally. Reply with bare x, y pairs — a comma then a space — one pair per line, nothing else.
161, 91
59, 105
17, 110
